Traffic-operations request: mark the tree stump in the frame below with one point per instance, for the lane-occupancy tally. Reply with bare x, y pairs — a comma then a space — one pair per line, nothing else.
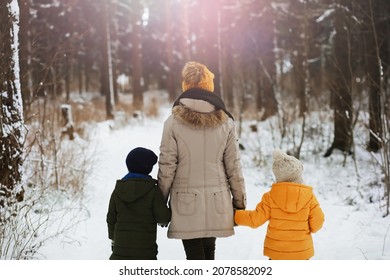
67, 121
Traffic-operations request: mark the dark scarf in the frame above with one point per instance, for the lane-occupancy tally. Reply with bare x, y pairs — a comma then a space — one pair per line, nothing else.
201, 94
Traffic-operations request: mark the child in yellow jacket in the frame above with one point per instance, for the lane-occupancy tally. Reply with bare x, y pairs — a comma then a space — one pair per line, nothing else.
292, 210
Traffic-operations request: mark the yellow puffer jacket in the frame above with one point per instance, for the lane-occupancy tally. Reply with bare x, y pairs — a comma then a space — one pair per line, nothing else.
293, 213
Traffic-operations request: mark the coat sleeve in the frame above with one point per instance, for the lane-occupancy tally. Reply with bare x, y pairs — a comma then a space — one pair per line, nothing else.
316, 216
167, 160
161, 212
254, 218
233, 169
111, 217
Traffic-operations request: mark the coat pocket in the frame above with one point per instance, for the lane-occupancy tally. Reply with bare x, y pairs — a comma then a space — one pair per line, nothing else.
186, 203
222, 202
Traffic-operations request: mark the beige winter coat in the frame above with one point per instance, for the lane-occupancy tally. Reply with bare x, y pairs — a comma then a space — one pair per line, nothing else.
200, 171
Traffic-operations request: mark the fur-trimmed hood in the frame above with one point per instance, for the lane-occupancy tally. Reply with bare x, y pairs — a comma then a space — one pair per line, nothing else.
196, 119
200, 108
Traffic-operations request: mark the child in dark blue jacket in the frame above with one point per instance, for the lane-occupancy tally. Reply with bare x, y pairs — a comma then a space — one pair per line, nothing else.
135, 208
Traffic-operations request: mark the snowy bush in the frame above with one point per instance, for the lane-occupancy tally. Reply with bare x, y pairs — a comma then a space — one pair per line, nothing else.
55, 172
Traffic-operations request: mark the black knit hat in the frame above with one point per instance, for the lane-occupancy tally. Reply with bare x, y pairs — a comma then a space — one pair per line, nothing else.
141, 160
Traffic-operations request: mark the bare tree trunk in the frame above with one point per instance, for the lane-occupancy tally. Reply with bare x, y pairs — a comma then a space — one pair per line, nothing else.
266, 66
80, 74
226, 61
170, 84
24, 54
373, 64
227, 78
341, 83
67, 73
298, 56
87, 62
208, 38
113, 28
11, 108
299, 79
185, 32
137, 55
106, 68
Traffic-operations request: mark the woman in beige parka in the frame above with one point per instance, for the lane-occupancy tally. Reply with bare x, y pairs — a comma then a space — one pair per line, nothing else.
199, 165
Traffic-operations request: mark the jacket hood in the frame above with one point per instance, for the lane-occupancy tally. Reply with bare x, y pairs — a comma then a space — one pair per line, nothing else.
291, 197
196, 119
133, 189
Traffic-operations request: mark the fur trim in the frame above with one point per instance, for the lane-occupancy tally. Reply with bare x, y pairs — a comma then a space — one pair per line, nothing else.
199, 120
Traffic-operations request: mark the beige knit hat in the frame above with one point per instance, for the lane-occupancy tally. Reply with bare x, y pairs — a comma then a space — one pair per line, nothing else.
286, 168
196, 75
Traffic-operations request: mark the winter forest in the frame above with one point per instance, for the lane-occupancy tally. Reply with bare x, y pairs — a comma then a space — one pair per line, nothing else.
78, 76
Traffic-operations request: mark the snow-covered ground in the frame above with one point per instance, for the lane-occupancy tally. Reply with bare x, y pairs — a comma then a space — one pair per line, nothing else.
354, 229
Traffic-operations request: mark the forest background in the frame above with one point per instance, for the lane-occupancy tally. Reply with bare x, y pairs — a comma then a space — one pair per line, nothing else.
282, 59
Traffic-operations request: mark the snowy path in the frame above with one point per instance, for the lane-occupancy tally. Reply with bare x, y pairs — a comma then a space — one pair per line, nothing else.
347, 233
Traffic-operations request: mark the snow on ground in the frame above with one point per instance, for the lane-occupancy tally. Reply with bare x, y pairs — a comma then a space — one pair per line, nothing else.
353, 230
